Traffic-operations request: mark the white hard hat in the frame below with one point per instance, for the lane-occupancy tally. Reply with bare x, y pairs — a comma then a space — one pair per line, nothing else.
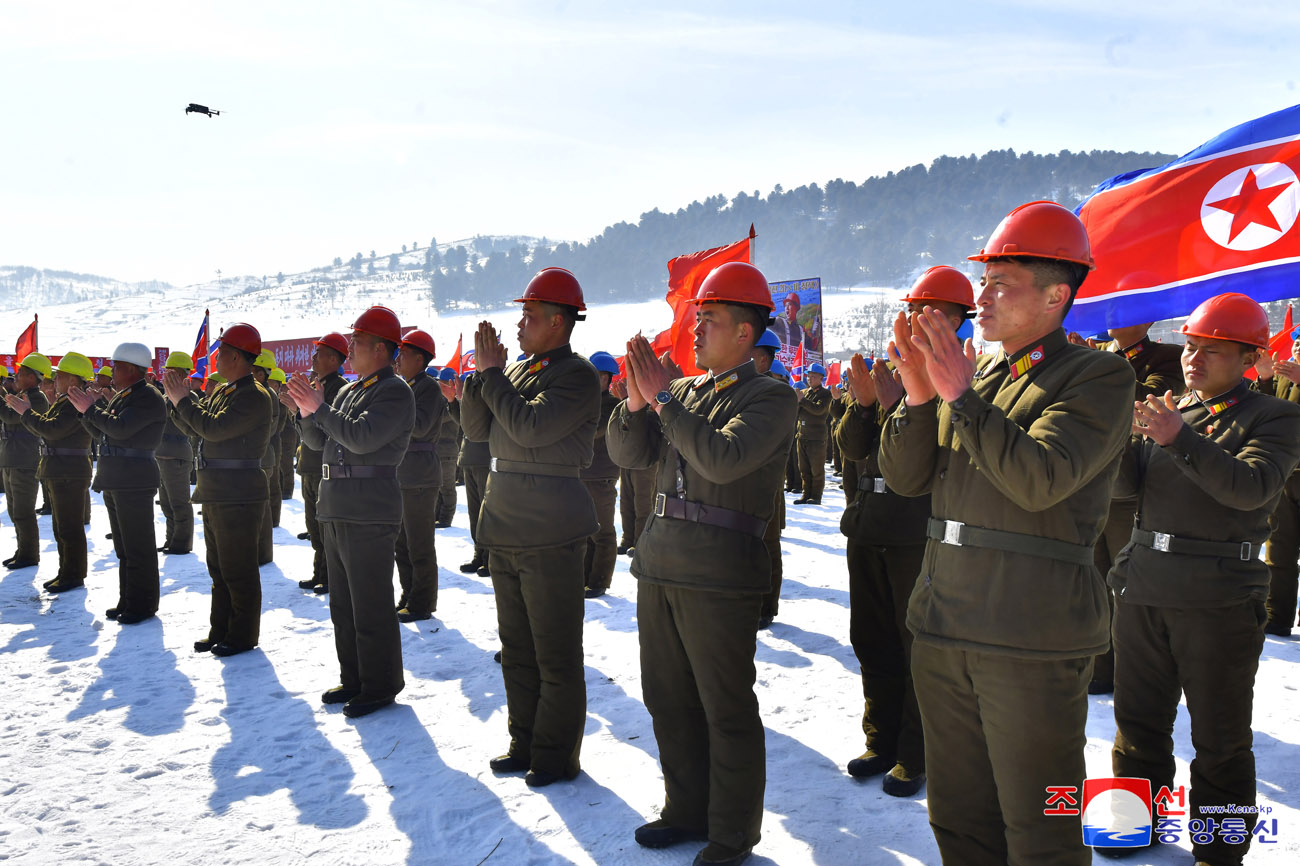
134, 353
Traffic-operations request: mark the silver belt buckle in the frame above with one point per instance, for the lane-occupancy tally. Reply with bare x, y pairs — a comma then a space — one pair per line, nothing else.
878, 485
1245, 551
325, 472
660, 501
492, 465
1161, 542
952, 532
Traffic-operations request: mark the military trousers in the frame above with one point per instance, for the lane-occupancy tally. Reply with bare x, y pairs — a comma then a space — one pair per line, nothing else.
366, 635
1209, 656
288, 447
310, 493
20, 501
998, 730
67, 497
697, 679
1116, 533
230, 532
417, 560
636, 497
475, 486
539, 617
602, 548
447, 492
174, 494
880, 585
269, 518
772, 541
1281, 554
812, 466
130, 517
793, 480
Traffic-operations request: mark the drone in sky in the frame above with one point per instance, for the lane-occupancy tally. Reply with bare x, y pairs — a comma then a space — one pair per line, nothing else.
201, 109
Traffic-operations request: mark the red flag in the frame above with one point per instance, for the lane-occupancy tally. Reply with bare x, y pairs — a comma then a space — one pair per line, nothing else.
26, 341
454, 363
685, 273
833, 375
796, 365
1279, 345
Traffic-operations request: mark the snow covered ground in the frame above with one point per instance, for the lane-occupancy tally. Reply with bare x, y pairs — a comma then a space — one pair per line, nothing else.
119, 745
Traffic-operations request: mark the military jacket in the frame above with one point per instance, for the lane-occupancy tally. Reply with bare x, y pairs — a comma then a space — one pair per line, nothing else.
368, 425
1219, 480
472, 452
1158, 367
129, 429
448, 432
542, 410
20, 447
308, 457
60, 428
421, 466
602, 467
875, 514
175, 444
814, 408
271, 456
232, 423
1033, 448
728, 440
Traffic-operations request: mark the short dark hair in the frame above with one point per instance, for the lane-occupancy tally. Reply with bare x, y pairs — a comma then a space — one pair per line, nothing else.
571, 314
428, 359
246, 355
1049, 272
757, 317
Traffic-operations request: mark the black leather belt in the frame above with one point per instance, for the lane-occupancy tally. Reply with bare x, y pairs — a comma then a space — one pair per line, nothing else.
714, 515
218, 463
872, 484
131, 453
6, 433
175, 437
342, 470
64, 452
525, 468
961, 535
1166, 543
422, 446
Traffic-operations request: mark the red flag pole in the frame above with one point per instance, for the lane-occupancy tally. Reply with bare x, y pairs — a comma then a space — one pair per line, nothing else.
35, 342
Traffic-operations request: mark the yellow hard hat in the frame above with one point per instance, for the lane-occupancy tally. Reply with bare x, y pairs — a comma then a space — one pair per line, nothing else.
37, 363
179, 361
104, 371
265, 360
277, 375
4, 372
217, 378
76, 364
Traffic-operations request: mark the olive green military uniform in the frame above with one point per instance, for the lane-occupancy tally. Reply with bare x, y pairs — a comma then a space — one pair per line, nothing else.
836, 413
793, 479
19, 454
447, 449
600, 478
1157, 368
474, 459
419, 477
886, 536
288, 448
636, 496
849, 479
233, 425
539, 419
129, 430
1007, 619
65, 469
702, 568
175, 458
1191, 593
363, 437
772, 541
1282, 551
309, 462
271, 471
814, 407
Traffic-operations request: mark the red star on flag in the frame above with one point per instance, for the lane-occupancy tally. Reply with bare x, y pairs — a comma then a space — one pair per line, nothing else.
1251, 205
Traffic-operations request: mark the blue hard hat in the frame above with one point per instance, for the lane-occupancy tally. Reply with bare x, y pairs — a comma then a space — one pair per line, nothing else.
446, 374
778, 368
817, 368
604, 362
800, 385
769, 339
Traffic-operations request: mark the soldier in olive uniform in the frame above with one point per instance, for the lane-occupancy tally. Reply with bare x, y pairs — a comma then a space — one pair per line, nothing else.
539, 419
764, 356
1281, 552
1018, 451
814, 407
64, 466
419, 476
331, 351
1190, 585
719, 442
473, 460
363, 437
288, 439
19, 456
447, 448
262, 367
175, 458
600, 478
129, 430
636, 496
233, 424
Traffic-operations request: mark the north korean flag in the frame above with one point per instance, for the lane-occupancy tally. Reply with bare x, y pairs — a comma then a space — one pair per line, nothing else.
1219, 219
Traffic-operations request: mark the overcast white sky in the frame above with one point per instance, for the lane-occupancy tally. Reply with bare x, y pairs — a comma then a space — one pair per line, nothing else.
348, 127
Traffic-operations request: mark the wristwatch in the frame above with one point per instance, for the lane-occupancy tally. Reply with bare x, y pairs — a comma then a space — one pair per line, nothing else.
663, 398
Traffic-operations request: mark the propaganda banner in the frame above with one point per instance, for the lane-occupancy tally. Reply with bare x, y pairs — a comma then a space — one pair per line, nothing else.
799, 319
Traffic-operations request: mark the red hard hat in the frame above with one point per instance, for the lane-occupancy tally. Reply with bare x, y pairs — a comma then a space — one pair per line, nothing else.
554, 286
942, 283
244, 337
420, 340
336, 341
735, 283
379, 322
1229, 316
1041, 230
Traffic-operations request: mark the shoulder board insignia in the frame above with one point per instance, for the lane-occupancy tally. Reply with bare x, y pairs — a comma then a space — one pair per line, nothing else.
726, 382
1027, 363
538, 366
